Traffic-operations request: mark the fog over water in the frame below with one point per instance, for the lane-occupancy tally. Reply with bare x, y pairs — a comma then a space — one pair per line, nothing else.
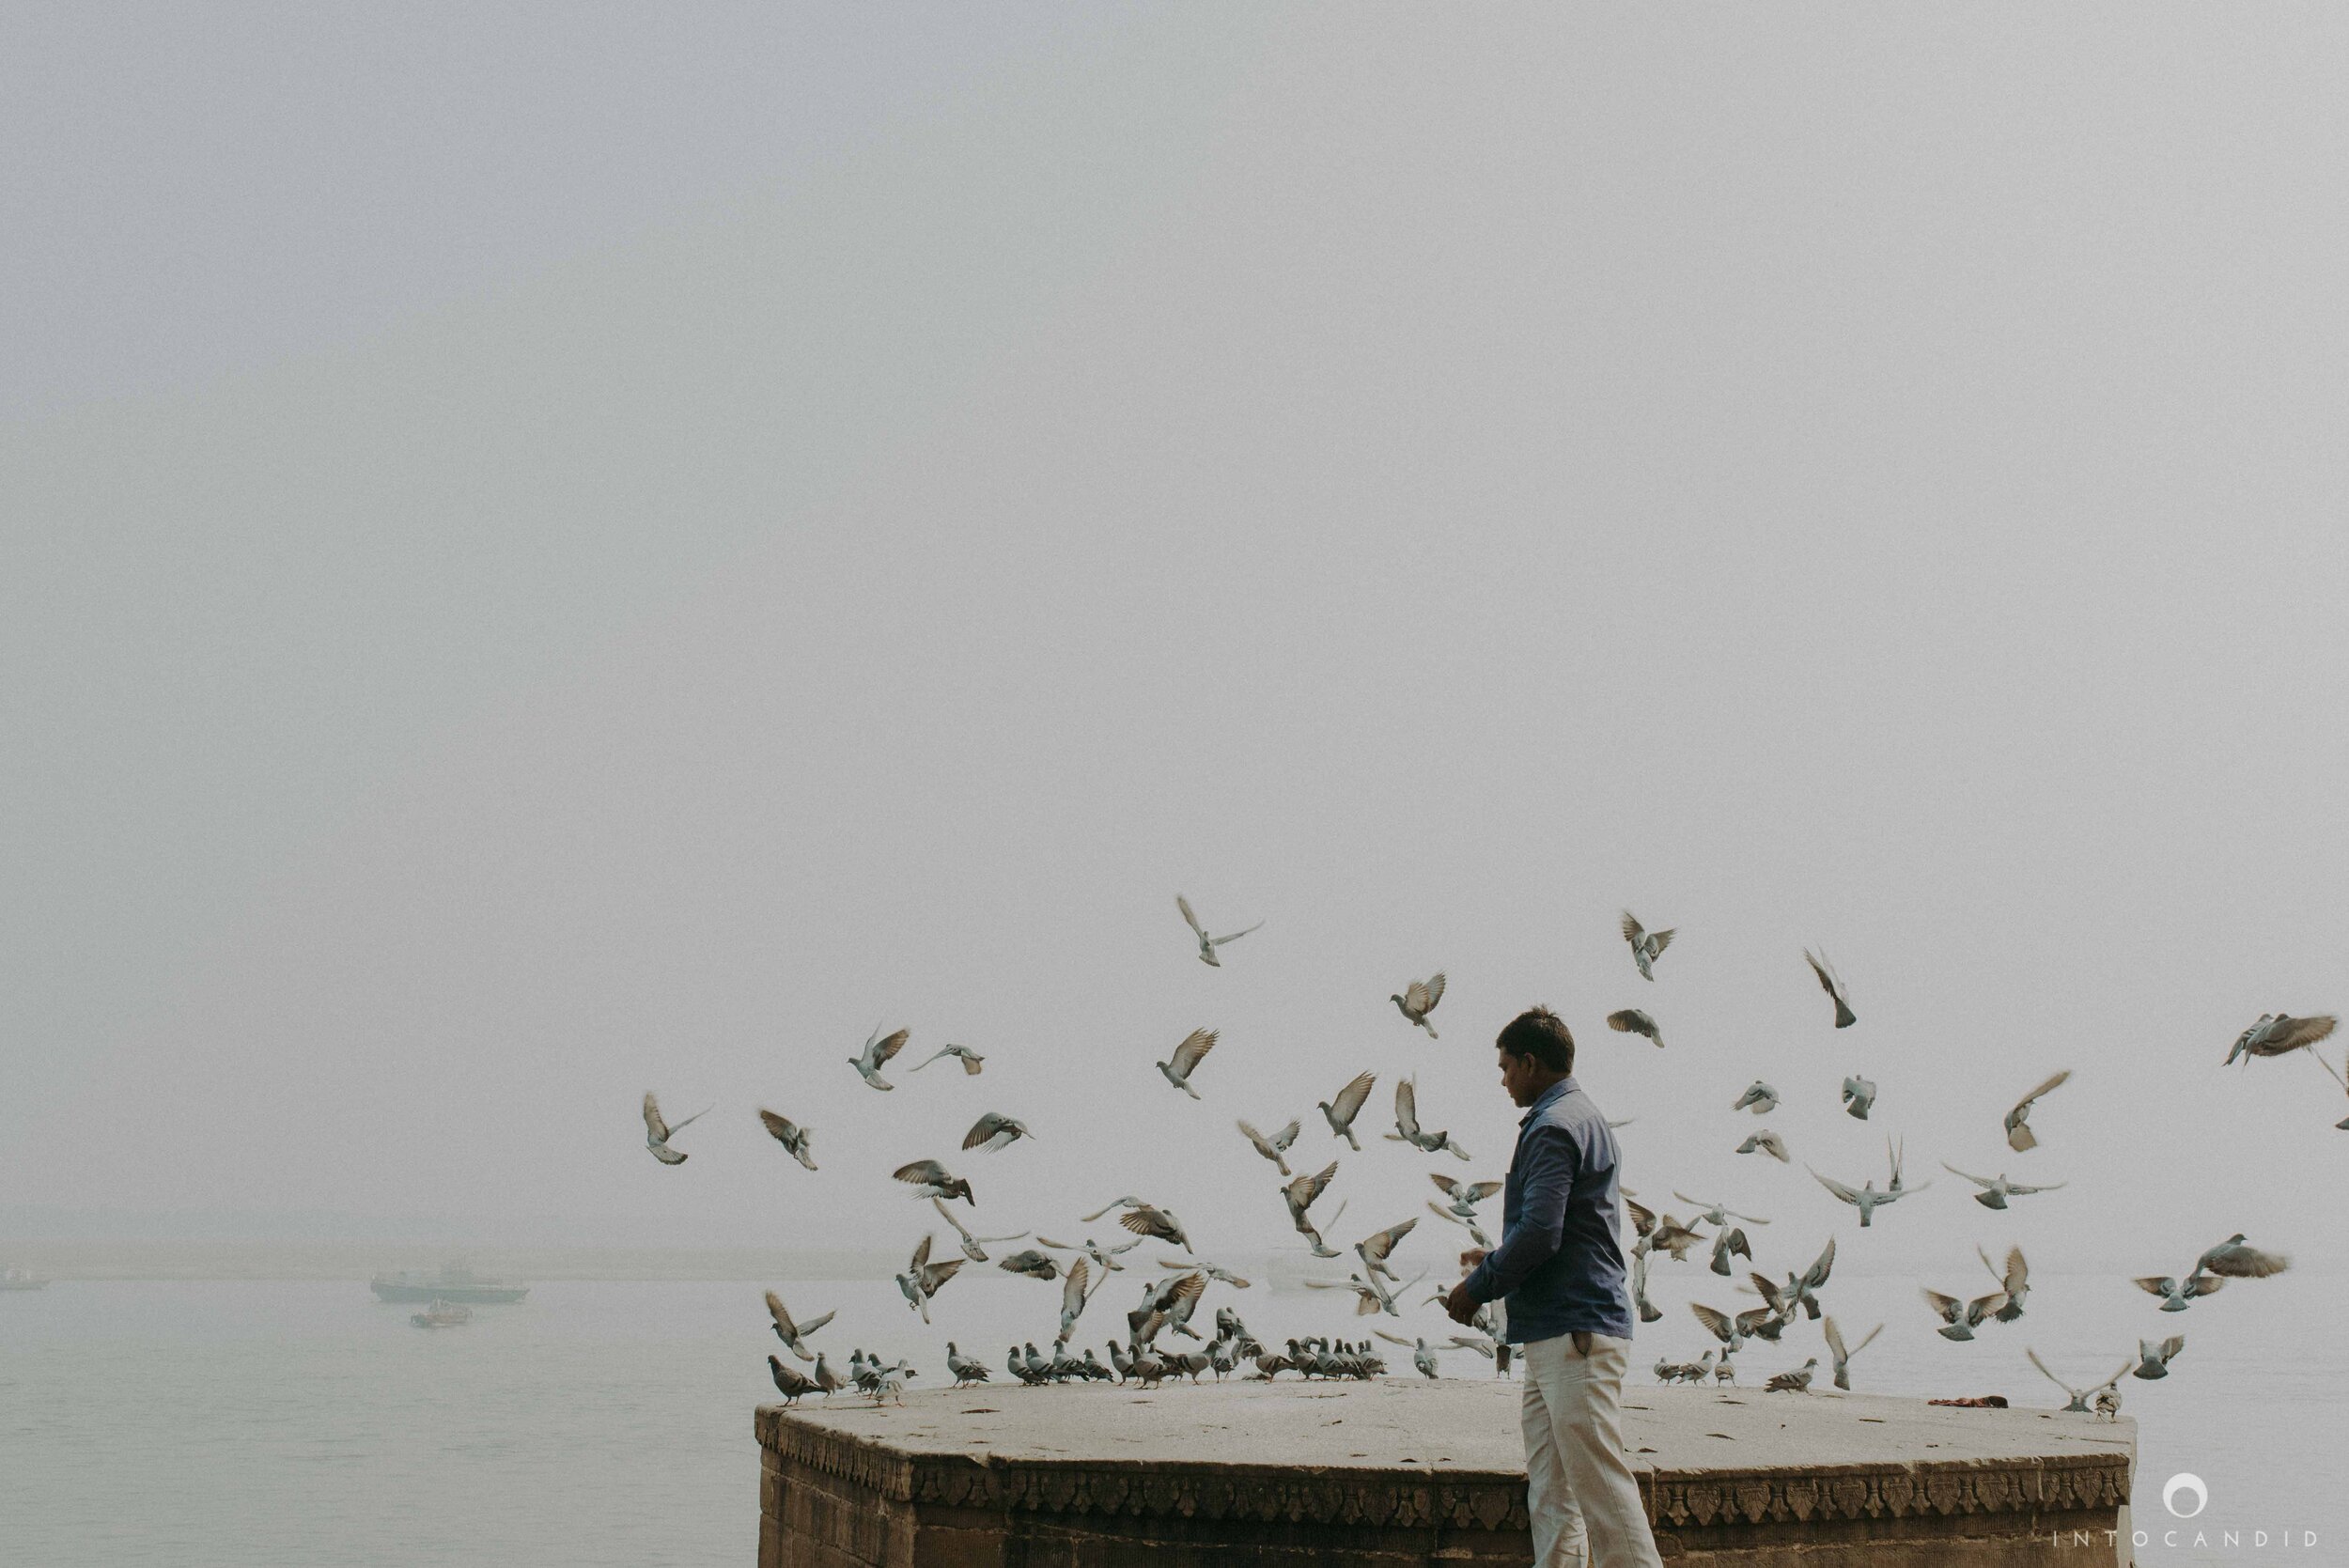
556, 551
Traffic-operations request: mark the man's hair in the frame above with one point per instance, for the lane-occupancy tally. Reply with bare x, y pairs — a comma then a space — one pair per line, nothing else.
1540, 1033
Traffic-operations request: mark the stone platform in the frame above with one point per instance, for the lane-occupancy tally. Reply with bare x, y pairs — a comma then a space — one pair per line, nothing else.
1397, 1473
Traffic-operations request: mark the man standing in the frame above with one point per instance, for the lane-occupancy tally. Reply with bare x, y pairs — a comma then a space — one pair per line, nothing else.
1562, 1269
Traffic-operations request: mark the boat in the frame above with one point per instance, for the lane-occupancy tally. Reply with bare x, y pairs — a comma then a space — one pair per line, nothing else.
451, 1282
17, 1279
441, 1315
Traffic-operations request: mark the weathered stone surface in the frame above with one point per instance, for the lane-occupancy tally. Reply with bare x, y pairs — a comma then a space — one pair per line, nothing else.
1395, 1472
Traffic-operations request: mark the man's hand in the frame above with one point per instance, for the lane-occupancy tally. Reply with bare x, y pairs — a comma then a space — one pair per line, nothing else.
1460, 1306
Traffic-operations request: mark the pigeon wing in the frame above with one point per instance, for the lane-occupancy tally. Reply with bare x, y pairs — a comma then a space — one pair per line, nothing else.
1405, 1110
1435, 990
884, 1050
1378, 1247
1193, 1051
1661, 940
2053, 1082
1631, 930
1714, 1319
655, 1128
2242, 1263
1947, 1306
783, 1128
1835, 1339
981, 1130
1304, 1190
1351, 1098
1286, 1136
1188, 919
920, 1256
1072, 1287
920, 1172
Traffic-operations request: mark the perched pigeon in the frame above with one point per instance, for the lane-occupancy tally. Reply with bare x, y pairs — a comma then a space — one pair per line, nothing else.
790, 1381
1796, 1381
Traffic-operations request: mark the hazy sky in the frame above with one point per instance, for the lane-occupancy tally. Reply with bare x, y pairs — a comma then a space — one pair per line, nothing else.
554, 552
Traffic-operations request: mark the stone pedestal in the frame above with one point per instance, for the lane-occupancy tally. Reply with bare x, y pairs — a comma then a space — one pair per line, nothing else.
1398, 1474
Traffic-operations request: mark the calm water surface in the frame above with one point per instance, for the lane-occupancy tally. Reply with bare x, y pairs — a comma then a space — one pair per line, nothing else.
252, 1424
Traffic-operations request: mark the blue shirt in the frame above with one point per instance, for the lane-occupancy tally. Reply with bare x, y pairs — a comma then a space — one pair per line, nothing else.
1559, 1262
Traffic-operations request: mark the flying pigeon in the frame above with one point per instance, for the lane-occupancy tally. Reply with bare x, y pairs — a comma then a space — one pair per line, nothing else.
1208, 944
1418, 999
931, 1180
1832, 984
1646, 946
1633, 1021
2018, 1133
657, 1132
877, 1053
1340, 1113
789, 1133
1274, 1148
971, 1061
995, 1130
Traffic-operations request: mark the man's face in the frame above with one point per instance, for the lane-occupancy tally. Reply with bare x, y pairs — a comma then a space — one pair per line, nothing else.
1516, 1074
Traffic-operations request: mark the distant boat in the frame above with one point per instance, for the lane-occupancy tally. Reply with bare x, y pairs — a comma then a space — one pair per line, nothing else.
17, 1279
441, 1315
450, 1282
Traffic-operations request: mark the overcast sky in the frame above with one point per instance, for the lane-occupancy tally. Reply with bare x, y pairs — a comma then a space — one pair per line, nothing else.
558, 551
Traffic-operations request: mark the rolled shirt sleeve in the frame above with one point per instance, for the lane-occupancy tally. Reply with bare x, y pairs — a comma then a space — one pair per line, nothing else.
1549, 1158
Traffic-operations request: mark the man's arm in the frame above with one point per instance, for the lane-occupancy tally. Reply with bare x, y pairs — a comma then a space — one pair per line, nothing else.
1550, 1159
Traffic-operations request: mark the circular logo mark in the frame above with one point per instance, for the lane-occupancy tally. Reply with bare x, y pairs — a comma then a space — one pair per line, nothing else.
2185, 1480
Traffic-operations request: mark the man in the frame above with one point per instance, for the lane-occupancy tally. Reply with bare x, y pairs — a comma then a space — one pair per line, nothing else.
1561, 1269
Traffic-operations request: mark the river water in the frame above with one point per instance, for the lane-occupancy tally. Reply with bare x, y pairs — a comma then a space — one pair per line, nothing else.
260, 1424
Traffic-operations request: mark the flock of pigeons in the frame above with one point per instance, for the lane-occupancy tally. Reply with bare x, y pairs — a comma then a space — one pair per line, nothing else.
1170, 1302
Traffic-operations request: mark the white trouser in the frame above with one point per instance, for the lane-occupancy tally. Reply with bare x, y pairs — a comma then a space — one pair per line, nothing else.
1581, 1493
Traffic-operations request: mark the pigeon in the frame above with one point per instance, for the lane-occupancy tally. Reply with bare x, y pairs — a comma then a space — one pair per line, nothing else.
657, 1132
2153, 1360
1667, 1235
1842, 1356
1728, 1242
1145, 1221
1375, 1249
1646, 947
1997, 1190
1631, 1020
1767, 1141
792, 1333
965, 1368
1274, 1148
972, 1062
1221, 1276
2236, 1261
1801, 1290
791, 1382
2015, 1277
1796, 1381
1476, 1232
1418, 999
1104, 1259
1832, 984
2177, 1294
931, 1179
1732, 1331
1339, 1114
1187, 1056
793, 1137
2079, 1400
2018, 1133
1073, 1297
1649, 1312
1034, 1265
878, 1054
1759, 1095
1299, 1196
1464, 1196
2279, 1032
1369, 1297
1406, 1123
1208, 944
1716, 1213
1866, 1199
1423, 1354
1959, 1319
973, 1246
995, 1130
1860, 1095
923, 1279
826, 1379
